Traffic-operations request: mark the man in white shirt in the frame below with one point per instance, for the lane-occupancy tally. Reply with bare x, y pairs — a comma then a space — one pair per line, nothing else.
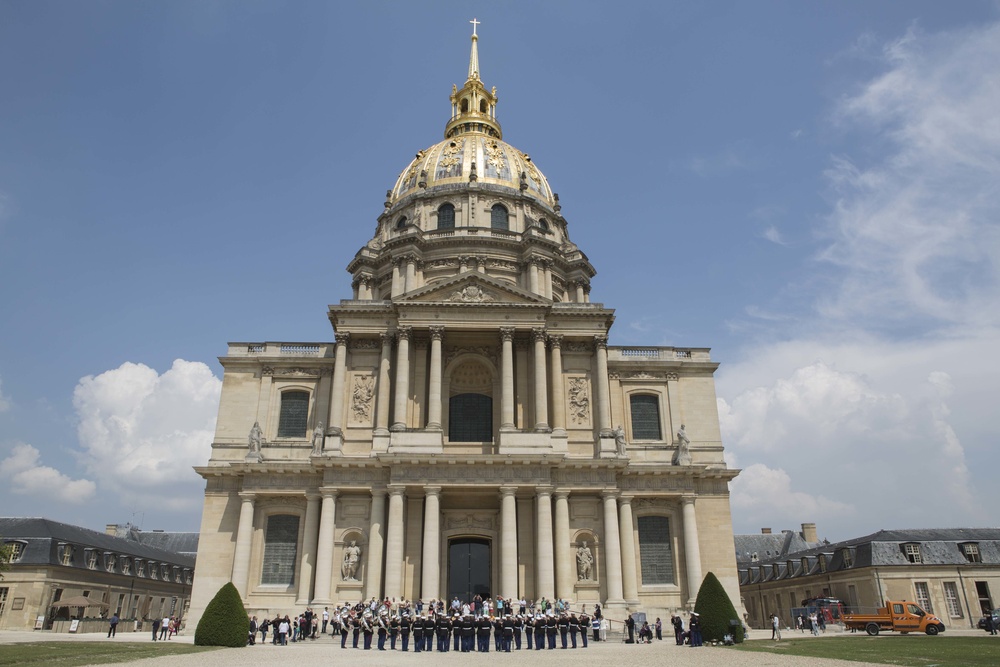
164, 627
326, 618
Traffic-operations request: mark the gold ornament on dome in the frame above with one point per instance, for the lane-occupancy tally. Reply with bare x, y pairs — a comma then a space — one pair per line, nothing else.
532, 172
495, 156
451, 155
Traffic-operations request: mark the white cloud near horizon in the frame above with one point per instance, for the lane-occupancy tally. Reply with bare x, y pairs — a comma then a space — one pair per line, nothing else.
885, 392
27, 477
141, 432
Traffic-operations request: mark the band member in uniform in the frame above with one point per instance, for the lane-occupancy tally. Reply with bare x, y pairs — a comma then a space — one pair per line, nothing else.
383, 629
508, 632
355, 630
405, 626
584, 625
443, 626
430, 626
367, 629
345, 622
468, 630
563, 629
393, 631
518, 624
539, 632
483, 633
498, 632
418, 634
551, 627
574, 628
456, 631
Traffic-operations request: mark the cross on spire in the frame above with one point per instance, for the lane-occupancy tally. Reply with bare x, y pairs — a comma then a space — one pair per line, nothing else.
474, 23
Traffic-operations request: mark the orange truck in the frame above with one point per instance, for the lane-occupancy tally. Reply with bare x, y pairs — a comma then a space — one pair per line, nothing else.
898, 615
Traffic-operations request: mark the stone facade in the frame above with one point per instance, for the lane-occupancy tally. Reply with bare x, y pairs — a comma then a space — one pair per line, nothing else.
470, 394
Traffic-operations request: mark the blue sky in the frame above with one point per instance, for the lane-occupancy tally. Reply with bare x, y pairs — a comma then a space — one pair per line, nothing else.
810, 189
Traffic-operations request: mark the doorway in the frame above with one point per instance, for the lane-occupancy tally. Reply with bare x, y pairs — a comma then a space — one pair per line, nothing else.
469, 568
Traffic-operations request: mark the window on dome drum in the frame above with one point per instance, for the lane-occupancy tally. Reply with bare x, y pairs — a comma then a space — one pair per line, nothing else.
543, 223
465, 105
446, 216
482, 106
294, 414
470, 418
912, 553
280, 545
401, 223
971, 552
645, 417
499, 218
656, 559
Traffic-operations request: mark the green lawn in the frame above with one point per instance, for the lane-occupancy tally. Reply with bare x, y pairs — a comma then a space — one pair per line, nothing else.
912, 650
70, 654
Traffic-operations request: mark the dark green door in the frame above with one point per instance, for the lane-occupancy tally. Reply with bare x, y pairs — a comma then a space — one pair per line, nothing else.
469, 569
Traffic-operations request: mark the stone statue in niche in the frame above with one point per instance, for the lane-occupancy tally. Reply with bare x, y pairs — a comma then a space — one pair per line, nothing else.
254, 440
317, 440
584, 563
619, 434
683, 455
352, 556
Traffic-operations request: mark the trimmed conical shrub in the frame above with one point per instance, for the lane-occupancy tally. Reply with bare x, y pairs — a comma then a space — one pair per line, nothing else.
225, 621
715, 611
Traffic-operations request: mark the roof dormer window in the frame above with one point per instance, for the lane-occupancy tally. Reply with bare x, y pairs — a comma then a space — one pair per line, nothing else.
912, 553
971, 552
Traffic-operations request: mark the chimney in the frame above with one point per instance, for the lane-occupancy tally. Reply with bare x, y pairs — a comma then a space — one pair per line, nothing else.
809, 532
765, 531
111, 529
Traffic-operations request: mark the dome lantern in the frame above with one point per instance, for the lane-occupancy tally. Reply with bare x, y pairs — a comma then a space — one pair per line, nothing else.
473, 108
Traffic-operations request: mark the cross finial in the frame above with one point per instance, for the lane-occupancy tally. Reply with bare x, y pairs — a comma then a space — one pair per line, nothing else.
474, 23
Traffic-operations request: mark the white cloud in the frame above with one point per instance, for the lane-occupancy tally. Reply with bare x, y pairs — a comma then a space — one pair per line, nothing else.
914, 230
772, 234
141, 432
27, 477
4, 401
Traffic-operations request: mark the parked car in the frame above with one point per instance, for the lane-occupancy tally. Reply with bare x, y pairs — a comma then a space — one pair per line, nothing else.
996, 620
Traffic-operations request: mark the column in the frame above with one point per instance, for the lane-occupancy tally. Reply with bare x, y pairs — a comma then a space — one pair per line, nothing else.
382, 404
558, 390
547, 279
376, 543
544, 558
434, 383
612, 548
674, 405
692, 552
630, 581
310, 537
430, 580
244, 539
541, 388
564, 559
603, 386
402, 378
579, 291
521, 392
508, 542
397, 278
533, 276
507, 379
324, 549
411, 274
394, 544
339, 377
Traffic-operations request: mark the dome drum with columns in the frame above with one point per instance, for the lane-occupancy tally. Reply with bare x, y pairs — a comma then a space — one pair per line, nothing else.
468, 428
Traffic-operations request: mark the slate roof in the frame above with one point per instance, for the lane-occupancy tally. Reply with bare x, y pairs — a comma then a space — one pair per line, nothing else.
769, 546
885, 548
180, 543
43, 536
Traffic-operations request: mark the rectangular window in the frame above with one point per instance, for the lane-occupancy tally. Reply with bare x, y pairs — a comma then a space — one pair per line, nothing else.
294, 414
971, 552
923, 596
983, 592
645, 417
3, 600
280, 545
912, 552
951, 599
655, 551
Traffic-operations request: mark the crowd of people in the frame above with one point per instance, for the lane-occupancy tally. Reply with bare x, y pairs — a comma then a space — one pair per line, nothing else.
440, 626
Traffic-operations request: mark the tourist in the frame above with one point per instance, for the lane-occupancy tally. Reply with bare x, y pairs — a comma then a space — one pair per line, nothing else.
113, 626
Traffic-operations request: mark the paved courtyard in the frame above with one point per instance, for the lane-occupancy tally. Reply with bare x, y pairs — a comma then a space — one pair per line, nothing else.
324, 651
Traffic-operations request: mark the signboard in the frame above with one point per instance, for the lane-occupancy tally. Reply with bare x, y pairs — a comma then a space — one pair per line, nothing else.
74, 624
39, 622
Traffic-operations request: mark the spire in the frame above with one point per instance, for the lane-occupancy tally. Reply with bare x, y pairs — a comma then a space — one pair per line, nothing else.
473, 108
474, 56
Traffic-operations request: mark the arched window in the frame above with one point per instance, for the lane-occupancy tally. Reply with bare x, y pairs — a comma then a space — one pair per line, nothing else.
294, 413
401, 223
281, 539
465, 105
656, 558
482, 106
499, 217
446, 216
543, 224
645, 417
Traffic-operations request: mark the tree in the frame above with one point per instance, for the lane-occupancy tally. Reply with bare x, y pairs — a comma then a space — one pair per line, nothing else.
715, 611
225, 621
6, 552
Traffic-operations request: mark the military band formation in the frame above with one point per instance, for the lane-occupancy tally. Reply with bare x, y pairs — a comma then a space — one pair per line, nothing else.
464, 627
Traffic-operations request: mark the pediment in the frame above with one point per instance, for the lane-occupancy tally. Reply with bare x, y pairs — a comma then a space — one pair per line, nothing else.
472, 288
